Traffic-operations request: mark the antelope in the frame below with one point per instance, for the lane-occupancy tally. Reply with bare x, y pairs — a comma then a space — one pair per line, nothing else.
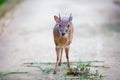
63, 34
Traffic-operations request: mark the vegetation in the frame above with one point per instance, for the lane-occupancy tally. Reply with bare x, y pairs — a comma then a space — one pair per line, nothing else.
6, 5
2, 75
79, 70
2, 1
115, 27
82, 70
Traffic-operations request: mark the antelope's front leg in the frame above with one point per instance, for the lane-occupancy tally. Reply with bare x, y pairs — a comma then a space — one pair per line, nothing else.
58, 58
59, 64
67, 56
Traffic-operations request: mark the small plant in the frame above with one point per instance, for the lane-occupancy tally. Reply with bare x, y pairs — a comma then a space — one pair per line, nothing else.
9, 73
79, 70
45, 70
83, 71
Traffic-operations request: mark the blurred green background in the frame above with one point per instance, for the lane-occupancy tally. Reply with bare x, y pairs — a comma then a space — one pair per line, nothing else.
6, 5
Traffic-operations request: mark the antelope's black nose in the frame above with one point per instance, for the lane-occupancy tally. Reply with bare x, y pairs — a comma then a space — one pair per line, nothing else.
63, 34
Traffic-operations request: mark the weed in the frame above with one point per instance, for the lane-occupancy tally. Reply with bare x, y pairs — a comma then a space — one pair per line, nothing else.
80, 70
9, 73
45, 70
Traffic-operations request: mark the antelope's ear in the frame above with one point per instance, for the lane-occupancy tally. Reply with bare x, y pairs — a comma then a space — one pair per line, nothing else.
56, 18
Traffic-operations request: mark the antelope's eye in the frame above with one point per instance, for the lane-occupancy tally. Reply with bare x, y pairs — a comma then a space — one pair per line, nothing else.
60, 26
68, 26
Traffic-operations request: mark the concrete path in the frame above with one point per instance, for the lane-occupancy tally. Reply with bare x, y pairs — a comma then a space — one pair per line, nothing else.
27, 35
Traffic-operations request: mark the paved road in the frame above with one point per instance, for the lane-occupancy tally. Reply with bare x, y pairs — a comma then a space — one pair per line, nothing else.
27, 35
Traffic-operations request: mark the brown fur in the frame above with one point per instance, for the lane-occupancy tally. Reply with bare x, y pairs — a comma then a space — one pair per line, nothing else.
62, 42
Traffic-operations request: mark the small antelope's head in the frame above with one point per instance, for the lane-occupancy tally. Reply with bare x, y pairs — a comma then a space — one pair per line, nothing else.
63, 24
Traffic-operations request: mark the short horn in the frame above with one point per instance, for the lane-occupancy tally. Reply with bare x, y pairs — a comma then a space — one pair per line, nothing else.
59, 17
70, 17
70, 14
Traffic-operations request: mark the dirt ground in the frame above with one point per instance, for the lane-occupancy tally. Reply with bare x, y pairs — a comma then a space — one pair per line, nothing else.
27, 36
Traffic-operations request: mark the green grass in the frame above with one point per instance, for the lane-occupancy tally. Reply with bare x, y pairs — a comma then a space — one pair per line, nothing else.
2, 1
115, 27
5, 74
83, 72
80, 70
6, 5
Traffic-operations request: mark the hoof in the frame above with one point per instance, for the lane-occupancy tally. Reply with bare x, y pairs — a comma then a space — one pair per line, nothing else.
59, 64
54, 72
